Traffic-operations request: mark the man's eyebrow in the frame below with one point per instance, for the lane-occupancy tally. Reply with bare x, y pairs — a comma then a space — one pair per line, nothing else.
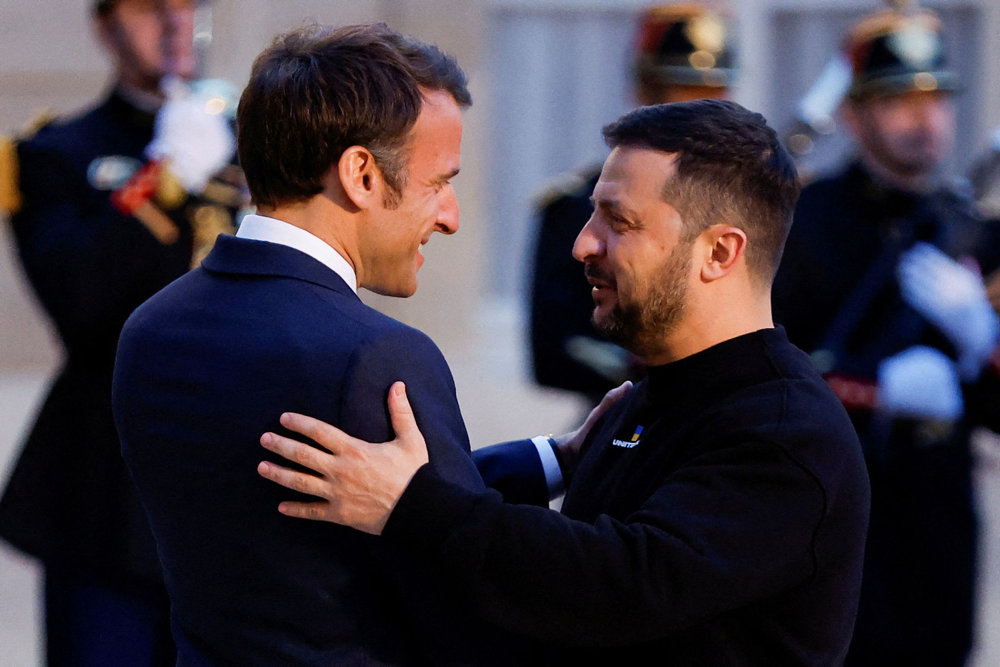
444, 178
610, 205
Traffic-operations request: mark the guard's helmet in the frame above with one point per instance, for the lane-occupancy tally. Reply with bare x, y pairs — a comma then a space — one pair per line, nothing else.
683, 44
893, 52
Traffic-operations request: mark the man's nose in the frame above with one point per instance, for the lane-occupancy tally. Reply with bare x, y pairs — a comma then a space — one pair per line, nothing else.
448, 215
587, 243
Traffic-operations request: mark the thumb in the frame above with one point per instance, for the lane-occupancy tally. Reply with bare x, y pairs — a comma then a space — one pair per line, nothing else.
403, 422
609, 399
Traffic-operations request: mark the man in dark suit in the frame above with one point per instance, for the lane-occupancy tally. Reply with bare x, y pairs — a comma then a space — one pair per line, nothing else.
101, 224
714, 516
349, 138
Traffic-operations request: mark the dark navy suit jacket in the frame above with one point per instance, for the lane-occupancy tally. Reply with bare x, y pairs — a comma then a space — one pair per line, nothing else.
203, 369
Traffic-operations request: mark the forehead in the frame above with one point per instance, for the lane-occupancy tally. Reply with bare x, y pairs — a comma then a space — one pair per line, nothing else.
907, 100
153, 5
436, 137
634, 176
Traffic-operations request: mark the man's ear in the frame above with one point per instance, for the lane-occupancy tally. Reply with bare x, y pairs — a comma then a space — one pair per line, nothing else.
725, 246
360, 178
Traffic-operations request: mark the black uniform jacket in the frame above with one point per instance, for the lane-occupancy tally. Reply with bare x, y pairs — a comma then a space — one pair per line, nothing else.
836, 293
70, 501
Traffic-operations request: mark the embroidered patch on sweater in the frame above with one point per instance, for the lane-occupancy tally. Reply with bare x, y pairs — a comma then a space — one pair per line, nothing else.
630, 443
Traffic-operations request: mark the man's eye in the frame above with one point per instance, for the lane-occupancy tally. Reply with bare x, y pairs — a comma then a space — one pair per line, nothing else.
618, 223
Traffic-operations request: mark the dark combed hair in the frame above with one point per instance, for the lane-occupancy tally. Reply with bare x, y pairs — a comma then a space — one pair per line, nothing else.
730, 168
317, 90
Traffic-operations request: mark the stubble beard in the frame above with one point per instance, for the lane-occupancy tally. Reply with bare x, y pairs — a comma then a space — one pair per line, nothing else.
639, 326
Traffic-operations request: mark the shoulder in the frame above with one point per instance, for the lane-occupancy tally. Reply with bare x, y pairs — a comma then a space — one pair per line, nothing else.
782, 398
49, 130
823, 191
822, 212
813, 424
395, 345
572, 185
57, 148
958, 199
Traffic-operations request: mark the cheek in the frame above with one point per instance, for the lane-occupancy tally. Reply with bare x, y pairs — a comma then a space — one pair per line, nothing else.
146, 37
628, 282
429, 206
944, 125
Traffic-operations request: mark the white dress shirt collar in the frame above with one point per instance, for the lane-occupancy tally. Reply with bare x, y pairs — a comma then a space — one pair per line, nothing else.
261, 228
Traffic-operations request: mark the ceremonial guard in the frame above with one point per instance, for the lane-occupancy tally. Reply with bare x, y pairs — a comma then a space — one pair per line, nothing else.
681, 54
882, 282
107, 207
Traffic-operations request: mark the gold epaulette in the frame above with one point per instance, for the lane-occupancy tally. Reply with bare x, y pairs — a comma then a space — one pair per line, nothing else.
10, 187
563, 185
10, 191
37, 122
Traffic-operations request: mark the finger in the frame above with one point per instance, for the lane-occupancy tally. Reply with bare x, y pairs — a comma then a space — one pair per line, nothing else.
917, 277
315, 511
297, 452
618, 392
615, 395
404, 424
328, 436
609, 399
917, 268
928, 252
938, 263
292, 479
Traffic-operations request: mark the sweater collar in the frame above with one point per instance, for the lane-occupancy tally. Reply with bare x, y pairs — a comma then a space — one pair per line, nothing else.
726, 367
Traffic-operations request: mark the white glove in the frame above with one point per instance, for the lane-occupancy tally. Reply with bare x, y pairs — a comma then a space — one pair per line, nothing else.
920, 382
191, 135
953, 298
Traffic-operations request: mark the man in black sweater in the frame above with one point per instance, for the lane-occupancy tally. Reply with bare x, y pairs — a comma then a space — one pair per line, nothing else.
717, 513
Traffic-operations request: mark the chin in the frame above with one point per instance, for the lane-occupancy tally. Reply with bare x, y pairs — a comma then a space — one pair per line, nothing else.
401, 291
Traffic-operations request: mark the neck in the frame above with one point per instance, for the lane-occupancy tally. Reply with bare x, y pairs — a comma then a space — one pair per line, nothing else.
323, 219
921, 183
713, 319
141, 98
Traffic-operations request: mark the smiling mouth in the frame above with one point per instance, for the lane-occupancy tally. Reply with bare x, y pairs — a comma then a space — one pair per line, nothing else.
596, 278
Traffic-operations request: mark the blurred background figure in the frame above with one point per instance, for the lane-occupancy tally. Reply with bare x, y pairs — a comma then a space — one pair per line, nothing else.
985, 178
681, 53
882, 281
106, 208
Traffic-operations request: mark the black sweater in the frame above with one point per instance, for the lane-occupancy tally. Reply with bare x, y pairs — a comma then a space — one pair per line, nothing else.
729, 529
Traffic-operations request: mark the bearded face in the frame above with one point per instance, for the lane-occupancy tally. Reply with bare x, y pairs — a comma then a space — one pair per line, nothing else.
650, 310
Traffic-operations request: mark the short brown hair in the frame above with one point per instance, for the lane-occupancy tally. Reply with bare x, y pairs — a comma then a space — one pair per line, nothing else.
317, 91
